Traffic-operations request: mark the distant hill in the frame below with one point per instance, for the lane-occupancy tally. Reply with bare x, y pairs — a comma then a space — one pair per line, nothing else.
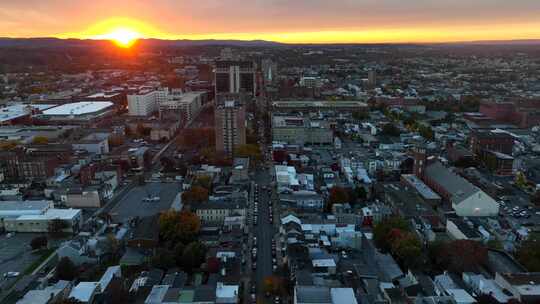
496, 42
60, 43
82, 43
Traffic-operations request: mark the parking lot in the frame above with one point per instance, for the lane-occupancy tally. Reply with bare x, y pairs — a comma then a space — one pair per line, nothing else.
15, 255
133, 203
518, 209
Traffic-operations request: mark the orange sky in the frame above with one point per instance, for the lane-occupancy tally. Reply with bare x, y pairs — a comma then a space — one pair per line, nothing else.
301, 21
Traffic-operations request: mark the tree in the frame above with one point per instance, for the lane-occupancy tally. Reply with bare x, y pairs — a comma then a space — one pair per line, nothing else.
426, 132
40, 140
360, 115
361, 193
212, 265
142, 130
38, 242
383, 230
7, 145
529, 255
178, 251
116, 293
535, 198
168, 164
249, 150
57, 226
407, 248
66, 270
196, 194
204, 181
337, 195
460, 255
390, 130
163, 259
180, 226
273, 285
194, 255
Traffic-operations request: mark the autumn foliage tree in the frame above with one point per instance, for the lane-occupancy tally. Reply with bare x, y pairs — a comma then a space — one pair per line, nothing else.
406, 247
180, 226
195, 194
460, 255
249, 150
337, 195
212, 265
387, 230
40, 140
273, 285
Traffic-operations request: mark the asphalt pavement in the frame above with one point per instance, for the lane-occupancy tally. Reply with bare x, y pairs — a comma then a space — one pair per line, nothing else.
265, 233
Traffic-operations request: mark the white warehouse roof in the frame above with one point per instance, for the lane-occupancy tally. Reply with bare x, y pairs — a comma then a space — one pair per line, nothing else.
79, 108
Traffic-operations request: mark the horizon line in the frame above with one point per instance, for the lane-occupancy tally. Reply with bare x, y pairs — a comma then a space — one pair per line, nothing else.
286, 43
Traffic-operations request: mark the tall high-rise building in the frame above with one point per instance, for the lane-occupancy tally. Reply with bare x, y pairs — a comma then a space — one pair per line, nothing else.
235, 76
230, 126
143, 103
269, 70
372, 78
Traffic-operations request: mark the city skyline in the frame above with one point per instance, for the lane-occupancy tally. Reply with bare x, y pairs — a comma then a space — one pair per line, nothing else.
342, 21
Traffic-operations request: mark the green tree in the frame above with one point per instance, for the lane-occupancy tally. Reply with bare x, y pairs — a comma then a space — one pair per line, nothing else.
361, 193
178, 252
66, 270
535, 198
163, 259
529, 255
426, 132
38, 242
204, 181
194, 255
390, 130
407, 248
360, 115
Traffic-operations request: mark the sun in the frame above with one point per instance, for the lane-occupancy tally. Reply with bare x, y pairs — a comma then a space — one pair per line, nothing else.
123, 37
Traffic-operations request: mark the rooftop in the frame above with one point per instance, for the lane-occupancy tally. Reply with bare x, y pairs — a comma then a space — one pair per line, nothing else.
459, 187
9, 207
422, 188
84, 291
79, 108
19, 110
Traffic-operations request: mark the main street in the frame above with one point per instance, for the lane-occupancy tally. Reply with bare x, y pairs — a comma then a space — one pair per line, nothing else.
264, 231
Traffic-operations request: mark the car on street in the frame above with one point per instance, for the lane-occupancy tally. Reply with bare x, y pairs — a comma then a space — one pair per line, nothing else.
11, 274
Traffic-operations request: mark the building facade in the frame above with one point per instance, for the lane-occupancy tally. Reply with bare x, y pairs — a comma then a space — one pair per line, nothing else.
230, 120
235, 76
143, 103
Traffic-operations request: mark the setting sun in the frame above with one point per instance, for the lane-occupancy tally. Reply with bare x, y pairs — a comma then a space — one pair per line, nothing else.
123, 37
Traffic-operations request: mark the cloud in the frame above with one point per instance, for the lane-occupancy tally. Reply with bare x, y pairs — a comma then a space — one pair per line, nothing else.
204, 17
